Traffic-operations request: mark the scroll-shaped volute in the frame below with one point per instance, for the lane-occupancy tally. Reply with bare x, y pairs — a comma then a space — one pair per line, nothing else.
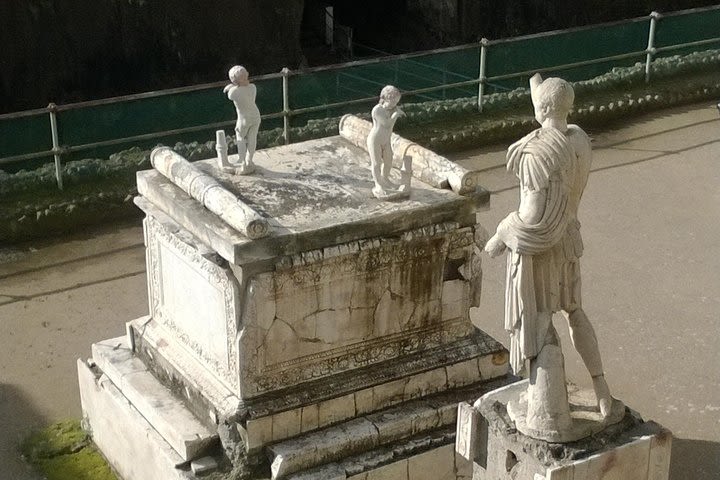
206, 190
428, 166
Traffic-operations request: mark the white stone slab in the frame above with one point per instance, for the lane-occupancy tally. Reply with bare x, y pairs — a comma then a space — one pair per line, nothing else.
314, 449
130, 444
165, 412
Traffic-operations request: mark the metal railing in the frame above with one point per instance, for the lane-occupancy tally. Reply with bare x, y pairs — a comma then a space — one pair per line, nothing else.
480, 82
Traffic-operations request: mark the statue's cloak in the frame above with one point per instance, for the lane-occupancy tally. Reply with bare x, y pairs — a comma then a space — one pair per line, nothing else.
540, 160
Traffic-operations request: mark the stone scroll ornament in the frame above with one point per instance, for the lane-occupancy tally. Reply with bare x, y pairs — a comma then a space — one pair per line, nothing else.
206, 190
543, 245
242, 93
414, 160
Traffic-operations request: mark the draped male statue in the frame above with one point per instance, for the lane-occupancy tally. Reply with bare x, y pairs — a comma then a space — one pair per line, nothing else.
543, 244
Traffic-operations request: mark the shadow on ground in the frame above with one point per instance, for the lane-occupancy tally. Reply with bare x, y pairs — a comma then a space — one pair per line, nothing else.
18, 418
695, 460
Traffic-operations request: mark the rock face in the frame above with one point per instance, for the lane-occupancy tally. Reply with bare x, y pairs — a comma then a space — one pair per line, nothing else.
54, 49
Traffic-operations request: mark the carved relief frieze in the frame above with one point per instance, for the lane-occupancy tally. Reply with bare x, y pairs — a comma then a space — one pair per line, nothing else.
160, 238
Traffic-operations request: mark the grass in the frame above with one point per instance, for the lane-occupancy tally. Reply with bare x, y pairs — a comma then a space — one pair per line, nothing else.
64, 451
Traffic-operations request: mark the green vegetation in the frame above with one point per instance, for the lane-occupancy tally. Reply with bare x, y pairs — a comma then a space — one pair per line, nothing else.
98, 190
63, 451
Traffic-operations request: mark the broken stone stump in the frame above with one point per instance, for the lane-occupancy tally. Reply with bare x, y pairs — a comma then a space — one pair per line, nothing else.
631, 449
336, 345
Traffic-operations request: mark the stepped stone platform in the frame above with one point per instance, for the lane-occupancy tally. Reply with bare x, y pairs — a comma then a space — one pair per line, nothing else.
324, 334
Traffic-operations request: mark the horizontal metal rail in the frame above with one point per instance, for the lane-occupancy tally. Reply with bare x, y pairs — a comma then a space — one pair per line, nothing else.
27, 156
567, 66
118, 141
687, 45
24, 113
288, 112
205, 86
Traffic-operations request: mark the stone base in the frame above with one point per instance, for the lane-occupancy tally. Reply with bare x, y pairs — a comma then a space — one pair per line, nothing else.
584, 412
630, 449
148, 429
134, 449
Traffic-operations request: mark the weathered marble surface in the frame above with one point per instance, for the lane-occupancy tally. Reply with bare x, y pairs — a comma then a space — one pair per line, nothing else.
128, 441
427, 165
631, 449
312, 194
205, 189
311, 315
543, 245
353, 313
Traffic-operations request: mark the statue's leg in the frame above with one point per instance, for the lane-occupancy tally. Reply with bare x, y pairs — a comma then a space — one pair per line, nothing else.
241, 145
375, 152
387, 163
251, 143
548, 407
585, 342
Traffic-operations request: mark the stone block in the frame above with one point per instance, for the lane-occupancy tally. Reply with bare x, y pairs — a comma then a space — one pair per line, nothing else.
659, 462
364, 401
326, 472
436, 464
462, 373
158, 405
624, 462
425, 383
129, 443
494, 365
392, 471
389, 393
616, 451
324, 446
463, 467
286, 424
336, 410
258, 432
310, 418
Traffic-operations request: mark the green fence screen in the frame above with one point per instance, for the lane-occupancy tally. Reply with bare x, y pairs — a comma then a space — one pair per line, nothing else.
352, 82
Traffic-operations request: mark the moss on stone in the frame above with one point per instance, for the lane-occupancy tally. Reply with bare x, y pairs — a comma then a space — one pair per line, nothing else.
64, 451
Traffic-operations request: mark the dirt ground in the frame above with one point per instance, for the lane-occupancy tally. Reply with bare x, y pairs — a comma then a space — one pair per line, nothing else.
651, 224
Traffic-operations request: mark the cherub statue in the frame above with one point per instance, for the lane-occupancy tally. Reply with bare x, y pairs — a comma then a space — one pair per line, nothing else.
242, 93
543, 244
384, 116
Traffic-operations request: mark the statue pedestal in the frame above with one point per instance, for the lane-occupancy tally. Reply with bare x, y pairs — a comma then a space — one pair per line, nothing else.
337, 346
629, 449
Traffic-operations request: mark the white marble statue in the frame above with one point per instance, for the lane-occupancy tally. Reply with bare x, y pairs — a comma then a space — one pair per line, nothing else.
543, 244
242, 93
384, 116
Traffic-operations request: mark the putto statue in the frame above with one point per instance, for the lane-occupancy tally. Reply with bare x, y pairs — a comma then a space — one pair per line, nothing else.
543, 244
242, 93
384, 116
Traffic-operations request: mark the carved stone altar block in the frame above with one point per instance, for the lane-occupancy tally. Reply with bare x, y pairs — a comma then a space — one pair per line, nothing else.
334, 343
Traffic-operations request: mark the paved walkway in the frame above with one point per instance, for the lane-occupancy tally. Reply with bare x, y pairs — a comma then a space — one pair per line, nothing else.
652, 289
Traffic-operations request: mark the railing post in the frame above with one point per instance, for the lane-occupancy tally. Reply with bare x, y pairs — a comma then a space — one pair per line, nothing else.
52, 110
654, 17
286, 104
484, 43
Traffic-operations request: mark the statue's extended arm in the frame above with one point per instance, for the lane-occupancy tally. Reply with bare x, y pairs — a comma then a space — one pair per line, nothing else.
530, 212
